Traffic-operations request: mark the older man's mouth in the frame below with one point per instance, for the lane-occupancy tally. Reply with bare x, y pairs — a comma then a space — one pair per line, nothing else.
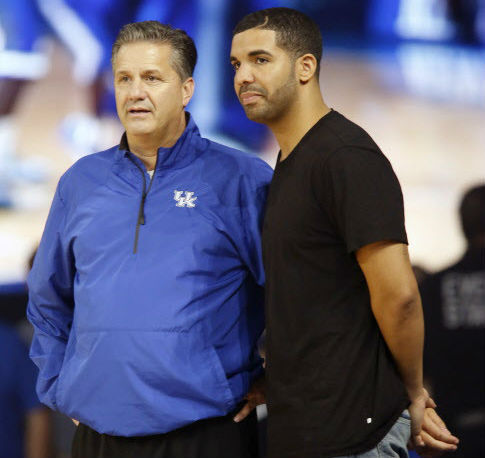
138, 111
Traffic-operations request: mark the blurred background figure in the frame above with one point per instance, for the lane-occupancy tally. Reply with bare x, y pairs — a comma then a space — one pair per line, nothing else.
22, 59
25, 425
27, 428
454, 306
13, 302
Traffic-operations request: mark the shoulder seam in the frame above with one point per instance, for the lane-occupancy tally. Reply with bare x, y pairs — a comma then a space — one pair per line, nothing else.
340, 148
101, 183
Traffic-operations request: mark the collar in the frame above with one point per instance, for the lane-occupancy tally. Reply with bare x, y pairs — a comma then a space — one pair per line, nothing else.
182, 153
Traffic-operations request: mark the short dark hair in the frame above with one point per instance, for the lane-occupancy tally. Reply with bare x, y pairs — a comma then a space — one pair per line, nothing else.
184, 52
295, 31
472, 212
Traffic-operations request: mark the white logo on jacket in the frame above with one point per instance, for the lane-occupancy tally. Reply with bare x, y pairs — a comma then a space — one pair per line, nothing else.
187, 201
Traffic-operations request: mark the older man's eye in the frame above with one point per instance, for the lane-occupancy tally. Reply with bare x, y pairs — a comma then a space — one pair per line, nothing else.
261, 60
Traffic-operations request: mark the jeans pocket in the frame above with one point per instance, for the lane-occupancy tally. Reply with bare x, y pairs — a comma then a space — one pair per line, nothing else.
395, 442
405, 417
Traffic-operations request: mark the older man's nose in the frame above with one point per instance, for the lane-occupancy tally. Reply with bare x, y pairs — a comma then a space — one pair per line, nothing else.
137, 90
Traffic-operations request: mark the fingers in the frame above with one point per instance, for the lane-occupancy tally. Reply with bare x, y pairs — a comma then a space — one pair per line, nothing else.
417, 440
244, 412
430, 403
433, 447
254, 397
434, 426
436, 419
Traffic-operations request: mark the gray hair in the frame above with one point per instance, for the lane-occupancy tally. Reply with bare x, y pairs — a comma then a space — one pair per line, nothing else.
184, 53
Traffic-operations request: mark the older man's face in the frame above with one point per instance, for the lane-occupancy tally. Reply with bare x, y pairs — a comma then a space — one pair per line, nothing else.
150, 95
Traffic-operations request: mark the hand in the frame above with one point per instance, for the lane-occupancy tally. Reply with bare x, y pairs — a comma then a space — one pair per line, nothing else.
76, 422
416, 411
255, 397
436, 437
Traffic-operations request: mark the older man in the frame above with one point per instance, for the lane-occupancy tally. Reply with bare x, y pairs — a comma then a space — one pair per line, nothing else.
145, 292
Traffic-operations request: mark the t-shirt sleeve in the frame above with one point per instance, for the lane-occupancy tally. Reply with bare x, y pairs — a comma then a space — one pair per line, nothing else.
362, 196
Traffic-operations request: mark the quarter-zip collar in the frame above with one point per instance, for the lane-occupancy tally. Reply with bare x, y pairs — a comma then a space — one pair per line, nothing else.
185, 150
181, 154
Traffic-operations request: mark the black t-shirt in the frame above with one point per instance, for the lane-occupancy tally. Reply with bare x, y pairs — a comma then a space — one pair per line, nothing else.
333, 387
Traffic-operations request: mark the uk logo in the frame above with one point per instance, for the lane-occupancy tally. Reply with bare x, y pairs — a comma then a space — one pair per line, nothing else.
184, 201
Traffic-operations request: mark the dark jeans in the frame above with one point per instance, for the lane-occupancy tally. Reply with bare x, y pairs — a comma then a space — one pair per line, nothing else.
217, 437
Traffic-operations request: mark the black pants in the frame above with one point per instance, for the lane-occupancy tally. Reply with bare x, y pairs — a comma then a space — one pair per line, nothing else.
217, 437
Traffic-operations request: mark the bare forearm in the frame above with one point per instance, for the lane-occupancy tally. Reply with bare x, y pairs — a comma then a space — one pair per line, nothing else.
402, 326
397, 308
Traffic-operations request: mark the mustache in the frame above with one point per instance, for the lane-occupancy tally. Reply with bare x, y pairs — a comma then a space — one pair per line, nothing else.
252, 88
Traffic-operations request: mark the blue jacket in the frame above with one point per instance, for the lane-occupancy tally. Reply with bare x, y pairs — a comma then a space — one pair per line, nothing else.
146, 296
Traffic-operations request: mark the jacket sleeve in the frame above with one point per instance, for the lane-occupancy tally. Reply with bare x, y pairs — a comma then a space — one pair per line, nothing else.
252, 215
51, 304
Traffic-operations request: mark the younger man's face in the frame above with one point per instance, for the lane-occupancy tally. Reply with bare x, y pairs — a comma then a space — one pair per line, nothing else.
264, 79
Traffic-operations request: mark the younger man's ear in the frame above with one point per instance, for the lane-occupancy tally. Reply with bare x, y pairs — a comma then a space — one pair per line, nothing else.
306, 66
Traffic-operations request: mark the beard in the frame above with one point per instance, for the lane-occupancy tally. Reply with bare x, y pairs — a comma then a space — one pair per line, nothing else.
272, 107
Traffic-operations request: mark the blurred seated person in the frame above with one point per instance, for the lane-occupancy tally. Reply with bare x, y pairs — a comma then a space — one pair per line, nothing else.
24, 421
454, 307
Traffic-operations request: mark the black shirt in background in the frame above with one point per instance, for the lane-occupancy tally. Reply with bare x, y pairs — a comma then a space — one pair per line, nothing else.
333, 388
454, 310
13, 302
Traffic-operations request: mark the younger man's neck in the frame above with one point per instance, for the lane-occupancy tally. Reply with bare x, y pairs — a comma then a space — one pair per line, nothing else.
304, 113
